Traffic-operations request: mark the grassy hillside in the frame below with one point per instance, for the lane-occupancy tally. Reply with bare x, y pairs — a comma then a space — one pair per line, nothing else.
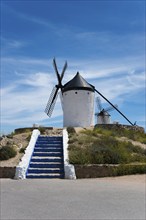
102, 146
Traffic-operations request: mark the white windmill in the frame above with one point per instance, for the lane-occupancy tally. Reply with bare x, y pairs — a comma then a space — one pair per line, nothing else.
103, 116
78, 103
77, 100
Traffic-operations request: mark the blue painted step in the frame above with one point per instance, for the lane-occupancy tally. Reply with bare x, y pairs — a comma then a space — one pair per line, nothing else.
46, 165
46, 149
46, 170
49, 145
47, 154
45, 176
50, 138
47, 158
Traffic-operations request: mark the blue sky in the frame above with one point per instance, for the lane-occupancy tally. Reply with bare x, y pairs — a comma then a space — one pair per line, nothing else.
103, 40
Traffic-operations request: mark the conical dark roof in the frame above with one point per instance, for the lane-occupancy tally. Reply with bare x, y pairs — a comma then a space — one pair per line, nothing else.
78, 83
103, 113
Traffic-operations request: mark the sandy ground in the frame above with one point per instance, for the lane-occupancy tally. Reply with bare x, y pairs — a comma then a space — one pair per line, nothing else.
13, 162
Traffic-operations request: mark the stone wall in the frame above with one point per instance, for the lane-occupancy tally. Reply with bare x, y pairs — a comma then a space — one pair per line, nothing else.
7, 172
95, 171
28, 129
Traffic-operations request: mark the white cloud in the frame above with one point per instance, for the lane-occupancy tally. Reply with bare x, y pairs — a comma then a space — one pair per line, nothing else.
8, 44
27, 61
39, 79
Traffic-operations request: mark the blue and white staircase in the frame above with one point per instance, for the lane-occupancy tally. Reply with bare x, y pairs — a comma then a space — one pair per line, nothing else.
47, 158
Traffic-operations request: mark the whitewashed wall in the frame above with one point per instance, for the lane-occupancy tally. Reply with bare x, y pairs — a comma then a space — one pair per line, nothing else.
78, 108
68, 168
24, 163
106, 120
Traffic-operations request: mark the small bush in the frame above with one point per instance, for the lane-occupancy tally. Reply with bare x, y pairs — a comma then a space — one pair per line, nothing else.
7, 152
71, 130
10, 135
28, 138
128, 169
73, 139
23, 130
22, 150
42, 130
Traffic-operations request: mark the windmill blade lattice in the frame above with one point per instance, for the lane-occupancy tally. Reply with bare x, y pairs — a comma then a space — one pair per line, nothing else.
98, 101
111, 108
51, 101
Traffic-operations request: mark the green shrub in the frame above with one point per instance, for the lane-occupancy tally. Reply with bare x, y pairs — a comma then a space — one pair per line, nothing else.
42, 130
73, 139
71, 130
102, 131
11, 135
22, 150
72, 147
128, 169
77, 157
7, 152
28, 138
23, 130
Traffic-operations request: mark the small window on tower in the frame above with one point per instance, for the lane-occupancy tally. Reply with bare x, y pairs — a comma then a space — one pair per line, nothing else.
76, 92
88, 93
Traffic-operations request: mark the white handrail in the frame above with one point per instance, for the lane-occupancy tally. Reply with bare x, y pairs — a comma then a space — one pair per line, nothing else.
68, 168
24, 163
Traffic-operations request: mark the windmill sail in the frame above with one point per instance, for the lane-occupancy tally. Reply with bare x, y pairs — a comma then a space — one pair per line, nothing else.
54, 94
98, 101
111, 108
51, 101
63, 71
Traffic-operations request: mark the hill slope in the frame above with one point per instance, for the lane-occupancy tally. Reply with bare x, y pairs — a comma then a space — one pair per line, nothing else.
106, 146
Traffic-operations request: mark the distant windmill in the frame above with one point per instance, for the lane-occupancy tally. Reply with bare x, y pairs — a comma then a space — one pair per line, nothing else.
103, 116
77, 100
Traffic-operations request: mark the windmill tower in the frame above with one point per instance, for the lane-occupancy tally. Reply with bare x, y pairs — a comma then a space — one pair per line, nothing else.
103, 116
77, 101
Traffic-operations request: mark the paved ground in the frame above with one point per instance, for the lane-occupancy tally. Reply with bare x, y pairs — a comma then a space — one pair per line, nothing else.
105, 198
